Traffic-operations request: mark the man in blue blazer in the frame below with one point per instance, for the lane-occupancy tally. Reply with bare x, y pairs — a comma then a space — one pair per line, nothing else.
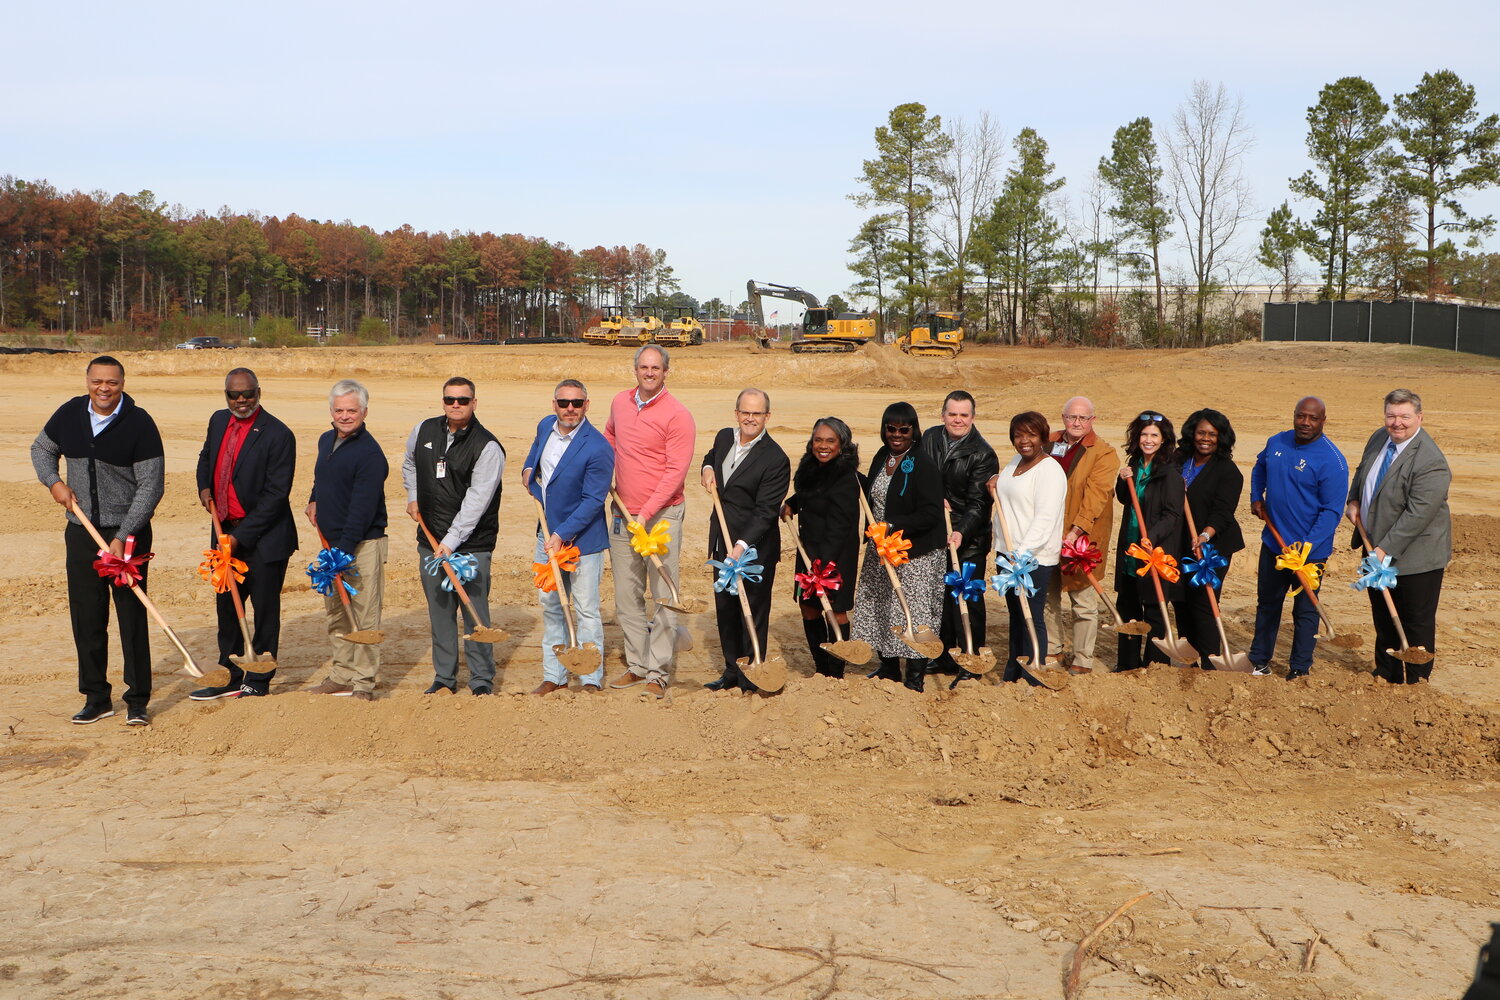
569, 468
245, 472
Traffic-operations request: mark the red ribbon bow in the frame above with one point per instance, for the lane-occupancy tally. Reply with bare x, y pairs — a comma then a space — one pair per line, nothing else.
820, 578
1157, 559
1080, 556
122, 572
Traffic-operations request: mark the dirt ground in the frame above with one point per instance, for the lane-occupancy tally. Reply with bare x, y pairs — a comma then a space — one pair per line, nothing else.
1329, 838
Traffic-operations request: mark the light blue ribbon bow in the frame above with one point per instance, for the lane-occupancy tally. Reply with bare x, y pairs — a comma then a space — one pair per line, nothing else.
464, 565
732, 570
1377, 573
1015, 572
1205, 570
963, 584
330, 564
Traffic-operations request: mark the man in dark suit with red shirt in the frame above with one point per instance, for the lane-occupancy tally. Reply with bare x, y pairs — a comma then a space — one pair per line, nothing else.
245, 474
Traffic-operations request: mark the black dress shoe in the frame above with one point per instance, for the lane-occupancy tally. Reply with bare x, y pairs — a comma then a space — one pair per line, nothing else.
963, 675
722, 684
93, 713
137, 717
438, 686
482, 689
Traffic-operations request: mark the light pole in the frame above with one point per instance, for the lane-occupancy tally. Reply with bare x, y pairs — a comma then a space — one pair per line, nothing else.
62, 315
73, 295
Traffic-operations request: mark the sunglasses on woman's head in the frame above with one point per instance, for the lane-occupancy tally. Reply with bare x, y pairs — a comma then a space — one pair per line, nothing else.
1155, 418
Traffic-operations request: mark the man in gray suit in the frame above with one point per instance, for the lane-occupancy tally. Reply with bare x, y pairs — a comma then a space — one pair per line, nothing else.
1400, 492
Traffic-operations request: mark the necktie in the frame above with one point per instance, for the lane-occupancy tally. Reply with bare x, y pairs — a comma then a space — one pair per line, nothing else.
225, 470
1385, 464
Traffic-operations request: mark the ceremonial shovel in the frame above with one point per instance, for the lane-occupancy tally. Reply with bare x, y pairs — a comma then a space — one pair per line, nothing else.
855, 651
188, 664
1228, 660
769, 674
1348, 640
581, 660
688, 605
262, 663
1407, 653
482, 632
1177, 650
367, 637
975, 661
1036, 650
922, 639
1132, 627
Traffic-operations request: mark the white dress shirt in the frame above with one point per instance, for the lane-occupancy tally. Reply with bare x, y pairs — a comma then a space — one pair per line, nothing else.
1367, 492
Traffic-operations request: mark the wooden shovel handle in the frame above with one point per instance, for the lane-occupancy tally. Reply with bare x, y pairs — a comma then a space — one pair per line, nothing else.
713, 494
889, 569
1021, 599
963, 607
1307, 587
458, 586
1390, 602
234, 589
562, 592
1161, 597
833, 621
655, 561
338, 581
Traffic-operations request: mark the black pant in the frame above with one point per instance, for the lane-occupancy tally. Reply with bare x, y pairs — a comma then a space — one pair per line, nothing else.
1134, 651
88, 605
1195, 616
1020, 637
1416, 600
260, 590
734, 638
952, 629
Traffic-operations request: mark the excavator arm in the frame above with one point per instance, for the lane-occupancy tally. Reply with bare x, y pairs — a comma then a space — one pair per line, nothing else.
755, 289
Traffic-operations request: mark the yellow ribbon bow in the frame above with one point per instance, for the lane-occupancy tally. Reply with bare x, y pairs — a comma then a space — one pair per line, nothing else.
650, 543
219, 564
892, 547
1157, 559
567, 561
1294, 558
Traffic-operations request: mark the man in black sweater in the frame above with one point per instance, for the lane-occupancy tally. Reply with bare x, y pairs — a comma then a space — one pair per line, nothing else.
348, 508
115, 474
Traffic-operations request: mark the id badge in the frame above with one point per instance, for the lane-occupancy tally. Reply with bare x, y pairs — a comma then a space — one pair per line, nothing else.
442, 468
1059, 449
618, 525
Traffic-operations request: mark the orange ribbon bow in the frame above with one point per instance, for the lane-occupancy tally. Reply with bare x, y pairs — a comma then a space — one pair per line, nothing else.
219, 565
567, 561
1157, 559
892, 547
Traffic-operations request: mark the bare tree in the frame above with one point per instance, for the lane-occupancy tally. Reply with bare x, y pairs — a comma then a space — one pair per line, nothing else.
967, 184
1205, 145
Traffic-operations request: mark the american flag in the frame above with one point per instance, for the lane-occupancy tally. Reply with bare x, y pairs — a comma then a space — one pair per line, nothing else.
775, 313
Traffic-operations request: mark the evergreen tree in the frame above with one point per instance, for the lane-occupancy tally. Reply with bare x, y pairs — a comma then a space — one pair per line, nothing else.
1133, 171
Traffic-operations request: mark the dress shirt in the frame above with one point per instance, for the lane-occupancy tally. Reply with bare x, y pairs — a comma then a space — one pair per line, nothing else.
98, 421
737, 455
1367, 492
552, 453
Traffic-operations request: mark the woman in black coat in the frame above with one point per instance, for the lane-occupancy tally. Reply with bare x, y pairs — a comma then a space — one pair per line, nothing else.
1214, 487
827, 485
1149, 443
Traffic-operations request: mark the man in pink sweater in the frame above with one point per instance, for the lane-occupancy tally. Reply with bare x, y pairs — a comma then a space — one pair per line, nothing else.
653, 436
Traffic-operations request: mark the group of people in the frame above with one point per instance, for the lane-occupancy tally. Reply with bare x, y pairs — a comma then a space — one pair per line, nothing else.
929, 518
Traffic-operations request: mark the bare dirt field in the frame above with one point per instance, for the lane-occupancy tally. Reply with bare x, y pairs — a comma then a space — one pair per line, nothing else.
1328, 838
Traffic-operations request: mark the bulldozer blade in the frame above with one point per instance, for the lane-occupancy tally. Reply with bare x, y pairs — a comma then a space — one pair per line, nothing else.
1180, 651
217, 677
1132, 627
484, 633
1348, 640
581, 660
1412, 654
981, 661
365, 636
923, 640
855, 651
769, 675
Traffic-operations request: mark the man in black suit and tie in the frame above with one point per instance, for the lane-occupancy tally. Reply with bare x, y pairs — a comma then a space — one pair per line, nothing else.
752, 475
245, 474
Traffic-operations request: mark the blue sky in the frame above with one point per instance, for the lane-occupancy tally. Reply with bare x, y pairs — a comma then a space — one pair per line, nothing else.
727, 135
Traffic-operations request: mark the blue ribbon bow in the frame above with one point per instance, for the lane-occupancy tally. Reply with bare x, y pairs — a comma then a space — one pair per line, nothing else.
732, 570
1377, 573
464, 565
963, 584
1015, 575
1206, 569
331, 562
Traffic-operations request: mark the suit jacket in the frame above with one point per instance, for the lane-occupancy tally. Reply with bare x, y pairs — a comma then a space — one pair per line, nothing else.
751, 497
262, 481
1408, 515
1088, 504
1213, 496
579, 485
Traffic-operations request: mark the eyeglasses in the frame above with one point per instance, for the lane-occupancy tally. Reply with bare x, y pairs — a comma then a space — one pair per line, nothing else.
576, 404
752, 413
898, 428
457, 400
1155, 418
241, 393
1074, 418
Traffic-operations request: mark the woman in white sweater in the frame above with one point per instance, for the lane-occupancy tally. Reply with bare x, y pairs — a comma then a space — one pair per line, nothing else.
1032, 490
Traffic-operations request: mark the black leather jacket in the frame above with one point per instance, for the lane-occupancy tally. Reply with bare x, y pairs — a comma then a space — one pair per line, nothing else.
967, 467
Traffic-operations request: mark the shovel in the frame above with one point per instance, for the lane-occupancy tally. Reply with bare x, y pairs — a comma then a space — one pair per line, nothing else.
1036, 650
769, 675
263, 663
581, 660
1407, 653
922, 639
1132, 627
216, 677
975, 661
367, 637
482, 632
1348, 640
1228, 659
686, 605
855, 651
1177, 650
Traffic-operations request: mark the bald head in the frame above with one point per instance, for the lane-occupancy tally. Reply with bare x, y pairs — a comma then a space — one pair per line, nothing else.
1308, 419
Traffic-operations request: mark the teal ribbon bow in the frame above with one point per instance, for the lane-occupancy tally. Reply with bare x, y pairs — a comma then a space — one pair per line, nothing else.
465, 566
1015, 572
732, 571
1376, 573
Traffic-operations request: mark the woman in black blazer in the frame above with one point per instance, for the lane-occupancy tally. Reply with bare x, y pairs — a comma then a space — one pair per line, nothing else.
1214, 487
1151, 471
905, 490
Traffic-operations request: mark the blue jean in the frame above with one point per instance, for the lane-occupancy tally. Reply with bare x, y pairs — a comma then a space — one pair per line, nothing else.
583, 591
1020, 638
1271, 585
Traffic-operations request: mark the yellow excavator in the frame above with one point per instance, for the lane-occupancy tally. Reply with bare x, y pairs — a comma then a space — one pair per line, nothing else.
938, 335
606, 332
684, 330
822, 331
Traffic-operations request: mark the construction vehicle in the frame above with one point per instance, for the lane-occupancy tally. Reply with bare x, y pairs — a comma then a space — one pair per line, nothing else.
822, 331
937, 335
606, 332
683, 331
641, 329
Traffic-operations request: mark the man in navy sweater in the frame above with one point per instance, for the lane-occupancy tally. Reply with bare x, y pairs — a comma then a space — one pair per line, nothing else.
1299, 482
348, 508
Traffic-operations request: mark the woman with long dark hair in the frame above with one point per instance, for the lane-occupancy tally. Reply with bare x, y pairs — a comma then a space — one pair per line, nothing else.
905, 491
1153, 475
825, 499
1214, 488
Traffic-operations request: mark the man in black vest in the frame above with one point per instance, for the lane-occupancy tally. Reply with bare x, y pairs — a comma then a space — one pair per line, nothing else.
452, 476
245, 473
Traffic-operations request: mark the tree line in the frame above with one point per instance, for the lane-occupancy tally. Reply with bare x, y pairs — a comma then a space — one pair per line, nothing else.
1168, 211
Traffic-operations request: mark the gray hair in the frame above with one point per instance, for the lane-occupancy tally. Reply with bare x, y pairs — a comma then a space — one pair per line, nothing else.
241, 371
1079, 399
763, 394
666, 363
346, 386
571, 383
1398, 396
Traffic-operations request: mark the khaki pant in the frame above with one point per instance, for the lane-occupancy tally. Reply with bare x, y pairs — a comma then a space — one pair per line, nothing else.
1085, 608
356, 664
650, 630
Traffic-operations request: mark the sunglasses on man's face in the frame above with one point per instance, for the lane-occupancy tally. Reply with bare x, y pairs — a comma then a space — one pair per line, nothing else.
241, 393
576, 404
457, 400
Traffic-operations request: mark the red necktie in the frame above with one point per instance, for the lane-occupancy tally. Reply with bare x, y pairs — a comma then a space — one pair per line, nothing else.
225, 470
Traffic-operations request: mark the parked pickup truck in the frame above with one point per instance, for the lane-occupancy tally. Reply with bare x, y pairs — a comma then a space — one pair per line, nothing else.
200, 344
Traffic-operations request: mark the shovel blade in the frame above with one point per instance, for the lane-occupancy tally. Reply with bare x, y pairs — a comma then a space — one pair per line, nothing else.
484, 633
262, 663
981, 661
923, 640
216, 678
580, 660
855, 651
1348, 640
1180, 651
1412, 654
365, 636
1237, 662
768, 675
1132, 627
683, 605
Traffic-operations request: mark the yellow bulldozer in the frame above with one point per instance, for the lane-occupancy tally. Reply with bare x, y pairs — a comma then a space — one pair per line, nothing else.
606, 332
683, 331
937, 335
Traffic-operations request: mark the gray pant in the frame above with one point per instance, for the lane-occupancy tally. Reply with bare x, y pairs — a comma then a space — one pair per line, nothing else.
443, 606
650, 631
